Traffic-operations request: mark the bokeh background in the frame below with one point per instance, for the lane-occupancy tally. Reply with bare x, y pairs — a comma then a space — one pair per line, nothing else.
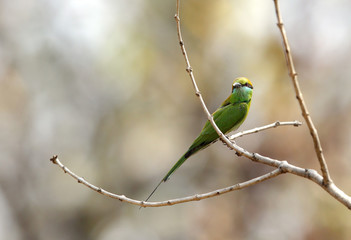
102, 83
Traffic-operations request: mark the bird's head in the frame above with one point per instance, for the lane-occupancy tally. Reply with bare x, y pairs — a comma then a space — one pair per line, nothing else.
241, 90
242, 82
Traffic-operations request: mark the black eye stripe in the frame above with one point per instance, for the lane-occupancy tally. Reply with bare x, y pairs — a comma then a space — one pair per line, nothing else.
248, 85
237, 85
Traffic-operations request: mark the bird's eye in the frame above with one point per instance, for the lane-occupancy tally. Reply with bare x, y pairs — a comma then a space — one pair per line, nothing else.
248, 85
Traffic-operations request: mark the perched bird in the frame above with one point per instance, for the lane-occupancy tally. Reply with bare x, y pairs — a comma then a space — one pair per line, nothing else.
228, 117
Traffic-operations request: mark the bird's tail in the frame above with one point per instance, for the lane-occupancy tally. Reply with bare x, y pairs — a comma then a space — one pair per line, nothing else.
165, 178
175, 167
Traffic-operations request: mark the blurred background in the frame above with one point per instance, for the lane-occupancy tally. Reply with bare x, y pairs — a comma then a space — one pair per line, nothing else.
102, 83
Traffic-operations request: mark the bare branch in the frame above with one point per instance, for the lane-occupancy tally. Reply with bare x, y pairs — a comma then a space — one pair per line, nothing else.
281, 166
292, 73
190, 71
196, 197
259, 129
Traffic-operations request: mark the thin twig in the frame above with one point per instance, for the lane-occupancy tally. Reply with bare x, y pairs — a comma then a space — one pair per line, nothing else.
281, 167
259, 129
292, 73
196, 197
190, 71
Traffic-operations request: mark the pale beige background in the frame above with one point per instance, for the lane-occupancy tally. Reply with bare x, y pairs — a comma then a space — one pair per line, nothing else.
102, 83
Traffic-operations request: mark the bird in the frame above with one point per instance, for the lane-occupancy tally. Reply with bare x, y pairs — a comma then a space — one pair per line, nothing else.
228, 117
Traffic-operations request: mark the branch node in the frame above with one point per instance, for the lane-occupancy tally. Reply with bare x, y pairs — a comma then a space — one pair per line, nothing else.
53, 159
283, 167
197, 198
239, 154
308, 173
198, 93
188, 69
306, 114
327, 182
277, 124
254, 157
297, 124
99, 190
293, 74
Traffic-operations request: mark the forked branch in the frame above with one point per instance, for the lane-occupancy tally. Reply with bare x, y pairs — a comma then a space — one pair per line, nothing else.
280, 166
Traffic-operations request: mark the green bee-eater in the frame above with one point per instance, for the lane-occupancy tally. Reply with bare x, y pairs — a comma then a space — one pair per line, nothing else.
228, 117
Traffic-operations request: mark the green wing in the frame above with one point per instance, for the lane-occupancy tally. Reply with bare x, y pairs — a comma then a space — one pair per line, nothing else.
225, 103
227, 118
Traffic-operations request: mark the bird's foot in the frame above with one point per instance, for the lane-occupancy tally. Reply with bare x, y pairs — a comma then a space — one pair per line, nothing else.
225, 144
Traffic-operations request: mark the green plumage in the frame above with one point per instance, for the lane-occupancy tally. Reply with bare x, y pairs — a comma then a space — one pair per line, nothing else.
228, 117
